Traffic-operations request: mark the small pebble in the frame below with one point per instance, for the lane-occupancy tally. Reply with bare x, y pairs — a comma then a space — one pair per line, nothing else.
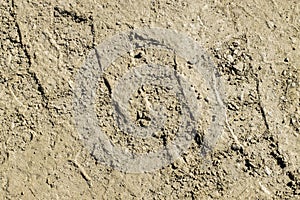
235, 147
239, 66
268, 171
230, 58
236, 43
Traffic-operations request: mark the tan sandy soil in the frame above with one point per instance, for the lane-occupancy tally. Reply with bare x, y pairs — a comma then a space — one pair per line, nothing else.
255, 46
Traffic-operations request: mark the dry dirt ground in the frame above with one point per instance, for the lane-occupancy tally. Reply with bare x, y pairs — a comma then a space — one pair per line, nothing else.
255, 45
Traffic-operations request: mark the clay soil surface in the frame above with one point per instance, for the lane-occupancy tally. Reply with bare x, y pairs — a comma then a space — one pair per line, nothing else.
253, 44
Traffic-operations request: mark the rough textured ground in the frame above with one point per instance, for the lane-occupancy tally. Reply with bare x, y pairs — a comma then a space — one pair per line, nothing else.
254, 44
